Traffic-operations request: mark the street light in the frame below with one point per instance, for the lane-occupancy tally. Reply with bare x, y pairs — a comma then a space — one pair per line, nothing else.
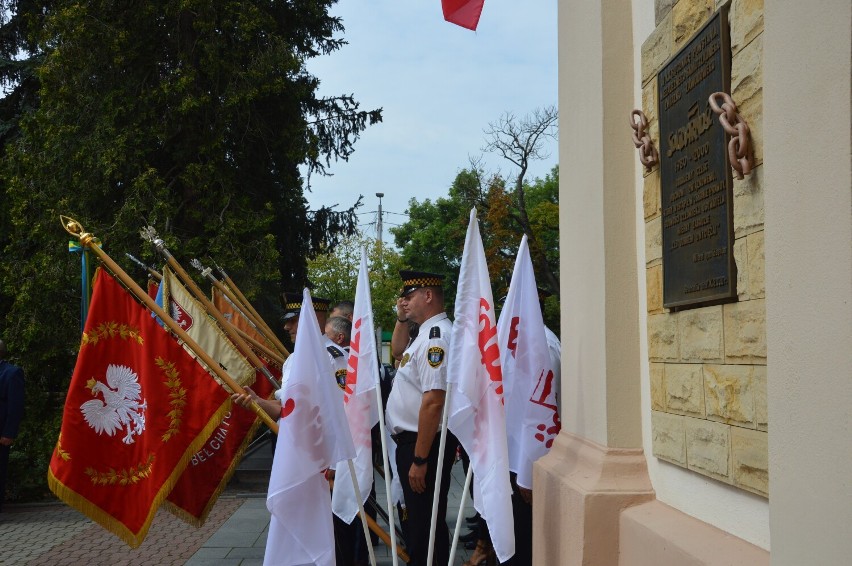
379, 223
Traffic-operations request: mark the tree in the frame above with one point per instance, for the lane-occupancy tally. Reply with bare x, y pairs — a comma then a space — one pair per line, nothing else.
433, 237
520, 141
193, 117
334, 275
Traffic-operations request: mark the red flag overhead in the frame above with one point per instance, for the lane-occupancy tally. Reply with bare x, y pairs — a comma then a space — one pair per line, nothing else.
137, 408
464, 13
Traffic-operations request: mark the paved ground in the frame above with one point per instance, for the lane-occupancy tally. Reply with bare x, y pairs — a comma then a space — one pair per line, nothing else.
235, 534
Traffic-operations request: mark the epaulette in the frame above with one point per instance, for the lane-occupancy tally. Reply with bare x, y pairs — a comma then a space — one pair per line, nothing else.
435, 332
334, 351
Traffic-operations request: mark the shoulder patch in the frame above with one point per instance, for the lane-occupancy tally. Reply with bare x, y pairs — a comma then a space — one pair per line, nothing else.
435, 332
340, 376
334, 351
435, 356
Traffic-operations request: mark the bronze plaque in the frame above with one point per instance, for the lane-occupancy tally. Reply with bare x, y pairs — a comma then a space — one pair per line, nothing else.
695, 174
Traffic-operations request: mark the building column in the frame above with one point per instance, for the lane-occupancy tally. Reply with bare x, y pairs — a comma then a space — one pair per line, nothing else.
596, 467
808, 237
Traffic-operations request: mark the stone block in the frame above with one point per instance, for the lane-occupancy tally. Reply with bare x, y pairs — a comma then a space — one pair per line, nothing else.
654, 288
750, 460
746, 22
741, 260
761, 411
708, 448
747, 92
658, 387
662, 337
684, 389
649, 104
748, 204
654, 240
651, 195
657, 48
668, 437
745, 332
700, 334
756, 266
662, 8
729, 394
688, 17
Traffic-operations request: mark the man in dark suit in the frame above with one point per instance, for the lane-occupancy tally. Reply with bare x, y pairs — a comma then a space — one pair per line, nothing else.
11, 412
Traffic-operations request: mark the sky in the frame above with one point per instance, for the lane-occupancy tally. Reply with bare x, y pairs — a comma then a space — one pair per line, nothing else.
439, 86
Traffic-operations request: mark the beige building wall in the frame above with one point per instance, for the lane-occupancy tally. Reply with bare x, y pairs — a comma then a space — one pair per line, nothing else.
610, 492
705, 408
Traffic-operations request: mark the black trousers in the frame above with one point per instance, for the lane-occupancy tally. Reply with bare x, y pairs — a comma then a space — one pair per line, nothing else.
419, 505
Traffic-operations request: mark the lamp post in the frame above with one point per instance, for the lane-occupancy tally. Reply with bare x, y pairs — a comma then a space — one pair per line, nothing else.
381, 265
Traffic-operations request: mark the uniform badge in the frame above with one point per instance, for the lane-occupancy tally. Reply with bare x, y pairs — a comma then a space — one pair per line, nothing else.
435, 356
340, 375
404, 360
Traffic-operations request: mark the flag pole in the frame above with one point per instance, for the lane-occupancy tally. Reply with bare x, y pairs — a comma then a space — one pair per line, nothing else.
151, 271
242, 299
76, 229
245, 309
150, 234
273, 356
462, 503
362, 512
442, 446
385, 460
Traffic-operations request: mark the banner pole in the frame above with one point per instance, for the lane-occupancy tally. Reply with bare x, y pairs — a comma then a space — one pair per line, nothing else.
76, 229
442, 446
149, 234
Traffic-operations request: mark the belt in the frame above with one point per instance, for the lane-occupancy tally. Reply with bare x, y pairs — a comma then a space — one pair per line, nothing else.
404, 437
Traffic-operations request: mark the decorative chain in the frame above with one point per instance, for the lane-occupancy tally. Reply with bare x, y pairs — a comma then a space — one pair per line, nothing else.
647, 152
739, 148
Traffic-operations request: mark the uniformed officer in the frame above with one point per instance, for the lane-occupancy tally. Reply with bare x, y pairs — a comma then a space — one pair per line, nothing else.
292, 303
414, 414
338, 332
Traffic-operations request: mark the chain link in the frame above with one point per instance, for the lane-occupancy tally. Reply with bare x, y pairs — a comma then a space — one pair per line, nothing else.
739, 148
647, 152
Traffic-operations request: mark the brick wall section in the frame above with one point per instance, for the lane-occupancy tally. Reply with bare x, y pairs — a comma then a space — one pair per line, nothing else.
708, 365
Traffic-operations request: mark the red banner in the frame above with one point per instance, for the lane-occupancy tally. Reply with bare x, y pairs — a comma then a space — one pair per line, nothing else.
138, 407
211, 468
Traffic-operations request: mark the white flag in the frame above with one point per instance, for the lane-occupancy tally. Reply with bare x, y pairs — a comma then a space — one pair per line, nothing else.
529, 381
359, 397
476, 413
312, 435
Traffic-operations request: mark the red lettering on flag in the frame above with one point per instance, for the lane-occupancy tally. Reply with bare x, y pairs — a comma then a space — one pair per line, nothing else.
488, 347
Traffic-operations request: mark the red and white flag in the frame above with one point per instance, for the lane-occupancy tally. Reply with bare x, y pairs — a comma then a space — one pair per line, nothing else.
138, 407
312, 436
464, 13
532, 419
476, 413
360, 404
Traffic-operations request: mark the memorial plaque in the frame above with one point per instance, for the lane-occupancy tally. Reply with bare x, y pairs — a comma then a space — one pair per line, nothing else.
695, 174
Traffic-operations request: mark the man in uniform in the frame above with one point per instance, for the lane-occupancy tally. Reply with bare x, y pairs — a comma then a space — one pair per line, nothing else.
414, 414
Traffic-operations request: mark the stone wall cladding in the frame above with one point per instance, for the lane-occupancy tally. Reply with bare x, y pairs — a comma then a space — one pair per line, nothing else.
708, 364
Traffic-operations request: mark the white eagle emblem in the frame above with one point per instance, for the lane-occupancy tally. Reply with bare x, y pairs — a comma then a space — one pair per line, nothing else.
124, 404
179, 314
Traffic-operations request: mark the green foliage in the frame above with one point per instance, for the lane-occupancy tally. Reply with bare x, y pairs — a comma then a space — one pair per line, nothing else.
192, 117
335, 275
433, 238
